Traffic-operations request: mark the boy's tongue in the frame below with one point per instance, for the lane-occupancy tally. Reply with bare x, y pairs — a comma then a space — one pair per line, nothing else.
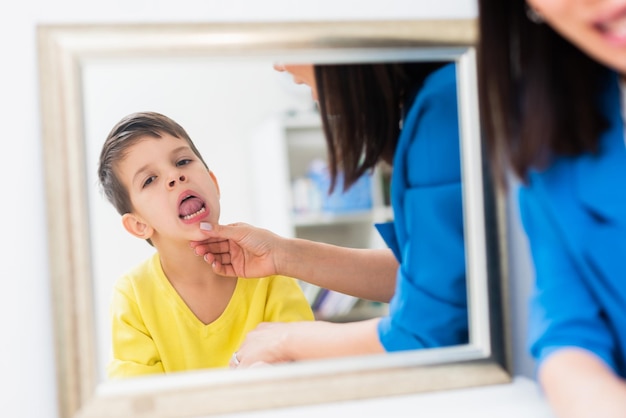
190, 205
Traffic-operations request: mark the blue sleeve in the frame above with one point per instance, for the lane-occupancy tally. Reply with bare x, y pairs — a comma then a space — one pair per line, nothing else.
563, 311
429, 307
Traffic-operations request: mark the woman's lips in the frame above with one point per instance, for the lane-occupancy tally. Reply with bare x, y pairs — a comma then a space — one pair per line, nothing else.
614, 26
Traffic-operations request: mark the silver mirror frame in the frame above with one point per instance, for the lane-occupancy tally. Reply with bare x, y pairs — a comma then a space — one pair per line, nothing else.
62, 51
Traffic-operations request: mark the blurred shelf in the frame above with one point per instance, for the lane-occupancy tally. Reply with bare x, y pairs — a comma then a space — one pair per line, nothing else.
363, 310
298, 139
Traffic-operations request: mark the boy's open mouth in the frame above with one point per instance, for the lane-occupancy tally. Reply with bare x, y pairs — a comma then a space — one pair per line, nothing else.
190, 207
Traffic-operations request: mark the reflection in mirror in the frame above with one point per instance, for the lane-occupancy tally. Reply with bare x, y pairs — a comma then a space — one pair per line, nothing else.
221, 105
262, 135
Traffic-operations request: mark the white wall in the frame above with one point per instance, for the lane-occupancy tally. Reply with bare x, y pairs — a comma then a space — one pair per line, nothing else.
27, 373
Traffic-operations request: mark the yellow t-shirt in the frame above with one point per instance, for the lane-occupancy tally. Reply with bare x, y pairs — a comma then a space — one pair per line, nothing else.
154, 331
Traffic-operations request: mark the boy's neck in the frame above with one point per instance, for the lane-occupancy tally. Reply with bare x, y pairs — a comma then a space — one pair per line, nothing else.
182, 265
205, 293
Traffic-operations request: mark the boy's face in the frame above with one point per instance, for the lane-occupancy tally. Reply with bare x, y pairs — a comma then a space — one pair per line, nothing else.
170, 189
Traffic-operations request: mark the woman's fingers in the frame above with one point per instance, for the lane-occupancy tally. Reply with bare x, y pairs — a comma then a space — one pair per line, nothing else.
216, 247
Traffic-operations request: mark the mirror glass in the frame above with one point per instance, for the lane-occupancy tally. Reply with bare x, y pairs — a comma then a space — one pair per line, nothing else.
261, 135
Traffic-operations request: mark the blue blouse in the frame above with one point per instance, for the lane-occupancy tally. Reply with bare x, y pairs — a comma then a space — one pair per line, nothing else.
574, 214
429, 307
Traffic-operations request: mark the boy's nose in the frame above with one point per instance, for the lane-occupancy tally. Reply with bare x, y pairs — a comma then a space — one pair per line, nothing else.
181, 179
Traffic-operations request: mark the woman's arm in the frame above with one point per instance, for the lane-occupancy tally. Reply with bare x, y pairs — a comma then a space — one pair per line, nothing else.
276, 342
246, 251
365, 273
579, 384
569, 329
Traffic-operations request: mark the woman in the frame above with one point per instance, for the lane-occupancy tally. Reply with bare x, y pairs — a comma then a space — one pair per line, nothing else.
405, 115
552, 69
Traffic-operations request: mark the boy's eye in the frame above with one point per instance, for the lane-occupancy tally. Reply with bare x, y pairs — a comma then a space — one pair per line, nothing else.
148, 181
184, 161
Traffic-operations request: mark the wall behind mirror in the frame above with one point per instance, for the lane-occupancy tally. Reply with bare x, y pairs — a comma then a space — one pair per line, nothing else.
218, 83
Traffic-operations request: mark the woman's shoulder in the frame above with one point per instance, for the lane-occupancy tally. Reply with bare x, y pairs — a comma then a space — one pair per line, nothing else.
445, 74
439, 93
442, 80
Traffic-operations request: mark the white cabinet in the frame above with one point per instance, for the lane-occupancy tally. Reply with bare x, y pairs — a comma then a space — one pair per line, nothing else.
286, 202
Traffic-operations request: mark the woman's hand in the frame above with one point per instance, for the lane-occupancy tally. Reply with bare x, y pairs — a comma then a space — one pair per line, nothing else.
238, 250
266, 344
282, 342
242, 250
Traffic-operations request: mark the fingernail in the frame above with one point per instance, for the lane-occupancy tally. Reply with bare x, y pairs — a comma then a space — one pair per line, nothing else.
206, 226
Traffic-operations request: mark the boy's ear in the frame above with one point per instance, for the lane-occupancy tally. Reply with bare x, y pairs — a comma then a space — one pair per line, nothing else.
135, 226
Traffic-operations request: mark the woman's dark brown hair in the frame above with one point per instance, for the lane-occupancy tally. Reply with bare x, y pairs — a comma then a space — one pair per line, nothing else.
538, 93
361, 107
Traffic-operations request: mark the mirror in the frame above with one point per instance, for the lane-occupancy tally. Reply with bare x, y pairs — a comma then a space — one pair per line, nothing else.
91, 76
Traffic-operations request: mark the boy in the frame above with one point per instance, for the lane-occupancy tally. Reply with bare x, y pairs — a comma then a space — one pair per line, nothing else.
171, 312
